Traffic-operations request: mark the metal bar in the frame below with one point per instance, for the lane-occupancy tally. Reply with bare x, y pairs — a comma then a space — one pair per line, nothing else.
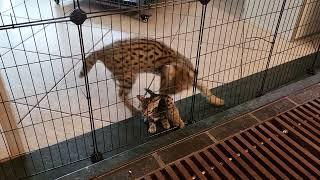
195, 79
260, 91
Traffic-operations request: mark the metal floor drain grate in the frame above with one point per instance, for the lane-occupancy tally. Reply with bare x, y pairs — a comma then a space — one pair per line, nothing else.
285, 147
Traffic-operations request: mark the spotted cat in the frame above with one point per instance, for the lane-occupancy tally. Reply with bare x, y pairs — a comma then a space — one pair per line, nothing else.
160, 108
126, 59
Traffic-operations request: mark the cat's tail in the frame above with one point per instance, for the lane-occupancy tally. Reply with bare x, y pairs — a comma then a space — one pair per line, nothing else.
211, 98
90, 62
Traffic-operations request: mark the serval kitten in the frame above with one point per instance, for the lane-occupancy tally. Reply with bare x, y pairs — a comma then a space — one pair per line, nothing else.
126, 59
160, 108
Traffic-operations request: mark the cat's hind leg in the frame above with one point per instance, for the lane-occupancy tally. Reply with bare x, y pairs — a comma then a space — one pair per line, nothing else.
165, 123
125, 86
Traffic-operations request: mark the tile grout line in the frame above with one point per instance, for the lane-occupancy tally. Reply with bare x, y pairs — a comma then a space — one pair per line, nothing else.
289, 99
211, 137
254, 117
157, 157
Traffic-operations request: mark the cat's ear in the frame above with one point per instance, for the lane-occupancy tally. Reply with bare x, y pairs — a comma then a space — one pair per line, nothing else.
141, 98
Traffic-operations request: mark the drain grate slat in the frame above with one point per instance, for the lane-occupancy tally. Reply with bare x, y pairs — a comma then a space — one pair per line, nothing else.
208, 168
294, 144
183, 170
243, 164
168, 171
158, 175
280, 164
263, 157
290, 130
229, 163
251, 159
218, 165
284, 147
282, 154
198, 173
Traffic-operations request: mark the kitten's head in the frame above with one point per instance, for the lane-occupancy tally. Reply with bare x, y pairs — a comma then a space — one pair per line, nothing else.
149, 105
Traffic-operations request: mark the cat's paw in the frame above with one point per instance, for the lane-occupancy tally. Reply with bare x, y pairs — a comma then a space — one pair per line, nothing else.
181, 125
166, 124
152, 128
216, 101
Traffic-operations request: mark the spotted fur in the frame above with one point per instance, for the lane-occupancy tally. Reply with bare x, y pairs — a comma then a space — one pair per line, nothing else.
127, 58
160, 108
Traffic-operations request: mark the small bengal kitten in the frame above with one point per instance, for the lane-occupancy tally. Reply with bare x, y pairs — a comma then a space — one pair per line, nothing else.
160, 108
126, 59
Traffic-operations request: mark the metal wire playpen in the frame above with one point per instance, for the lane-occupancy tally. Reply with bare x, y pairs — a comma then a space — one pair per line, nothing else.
51, 119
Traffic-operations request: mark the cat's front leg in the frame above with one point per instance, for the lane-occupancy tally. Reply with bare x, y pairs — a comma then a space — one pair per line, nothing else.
165, 123
152, 127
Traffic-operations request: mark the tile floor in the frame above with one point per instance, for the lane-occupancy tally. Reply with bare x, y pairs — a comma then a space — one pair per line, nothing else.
40, 64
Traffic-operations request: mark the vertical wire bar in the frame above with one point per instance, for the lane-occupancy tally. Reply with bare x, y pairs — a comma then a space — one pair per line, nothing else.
122, 64
251, 83
177, 35
97, 82
204, 110
227, 49
115, 88
285, 59
272, 55
142, 132
193, 32
195, 79
77, 87
107, 89
285, 55
265, 73
224, 85
88, 96
102, 123
63, 68
65, 81
213, 44
132, 82
311, 70
170, 45
240, 48
278, 61
185, 44
252, 63
219, 70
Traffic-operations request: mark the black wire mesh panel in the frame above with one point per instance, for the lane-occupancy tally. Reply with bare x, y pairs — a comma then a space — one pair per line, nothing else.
51, 119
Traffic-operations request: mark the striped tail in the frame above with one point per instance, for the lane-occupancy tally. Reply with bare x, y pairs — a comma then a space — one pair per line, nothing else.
90, 61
